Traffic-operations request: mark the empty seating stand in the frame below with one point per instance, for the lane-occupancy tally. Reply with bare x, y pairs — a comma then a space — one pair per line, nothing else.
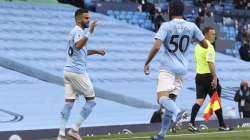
136, 18
36, 35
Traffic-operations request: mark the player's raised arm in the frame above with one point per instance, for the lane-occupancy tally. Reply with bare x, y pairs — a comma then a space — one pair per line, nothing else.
101, 52
82, 42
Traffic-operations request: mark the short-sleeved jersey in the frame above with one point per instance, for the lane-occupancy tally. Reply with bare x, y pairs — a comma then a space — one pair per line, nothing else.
202, 57
76, 58
176, 36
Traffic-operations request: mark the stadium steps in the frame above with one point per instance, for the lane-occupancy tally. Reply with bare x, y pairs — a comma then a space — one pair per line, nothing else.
127, 45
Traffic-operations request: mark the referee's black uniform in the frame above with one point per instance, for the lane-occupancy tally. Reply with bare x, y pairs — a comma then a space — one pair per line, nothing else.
203, 81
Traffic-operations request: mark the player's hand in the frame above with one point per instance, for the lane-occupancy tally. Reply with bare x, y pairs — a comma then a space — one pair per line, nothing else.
102, 52
146, 69
214, 83
92, 26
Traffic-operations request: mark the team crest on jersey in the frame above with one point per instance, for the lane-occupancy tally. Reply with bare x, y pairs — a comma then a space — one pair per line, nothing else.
210, 56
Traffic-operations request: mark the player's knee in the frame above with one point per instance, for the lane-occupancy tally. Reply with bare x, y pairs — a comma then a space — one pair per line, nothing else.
172, 96
199, 101
91, 103
167, 114
90, 98
65, 113
164, 101
162, 95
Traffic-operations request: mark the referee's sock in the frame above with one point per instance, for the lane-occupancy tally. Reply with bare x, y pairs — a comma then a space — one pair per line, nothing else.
220, 117
195, 110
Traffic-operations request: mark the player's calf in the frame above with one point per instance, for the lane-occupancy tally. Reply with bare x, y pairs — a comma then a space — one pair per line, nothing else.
86, 110
65, 113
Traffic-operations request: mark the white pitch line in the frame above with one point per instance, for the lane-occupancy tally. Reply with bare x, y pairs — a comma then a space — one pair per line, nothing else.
207, 133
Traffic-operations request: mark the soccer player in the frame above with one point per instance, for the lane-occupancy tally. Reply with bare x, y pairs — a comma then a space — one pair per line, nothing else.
206, 78
175, 36
76, 79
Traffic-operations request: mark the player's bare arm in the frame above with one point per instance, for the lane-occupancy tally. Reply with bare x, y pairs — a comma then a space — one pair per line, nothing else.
213, 72
203, 43
81, 43
101, 52
153, 52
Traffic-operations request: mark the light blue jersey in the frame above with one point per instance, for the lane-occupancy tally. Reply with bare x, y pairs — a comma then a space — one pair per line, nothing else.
76, 58
176, 36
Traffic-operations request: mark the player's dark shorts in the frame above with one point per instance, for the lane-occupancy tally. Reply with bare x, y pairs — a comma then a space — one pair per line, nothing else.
203, 85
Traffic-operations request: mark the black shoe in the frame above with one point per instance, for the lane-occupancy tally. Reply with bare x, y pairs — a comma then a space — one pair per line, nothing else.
174, 130
192, 128
224, 128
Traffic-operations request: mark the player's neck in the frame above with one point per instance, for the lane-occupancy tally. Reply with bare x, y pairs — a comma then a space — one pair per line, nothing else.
210, 41
177, 17
78, 24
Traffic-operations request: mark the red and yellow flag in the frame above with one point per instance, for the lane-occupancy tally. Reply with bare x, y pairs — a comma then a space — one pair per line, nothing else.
213, 105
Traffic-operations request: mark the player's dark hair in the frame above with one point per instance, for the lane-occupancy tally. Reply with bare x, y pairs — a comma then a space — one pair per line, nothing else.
176, 8
80, 11
207, 29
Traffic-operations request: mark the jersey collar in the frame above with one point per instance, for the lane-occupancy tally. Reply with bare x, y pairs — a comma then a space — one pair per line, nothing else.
78, 27
177, 19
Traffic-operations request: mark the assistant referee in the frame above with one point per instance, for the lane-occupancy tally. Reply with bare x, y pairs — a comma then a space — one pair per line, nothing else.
206, 79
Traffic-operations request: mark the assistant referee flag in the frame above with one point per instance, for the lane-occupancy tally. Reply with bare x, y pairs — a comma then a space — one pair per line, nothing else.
213, 105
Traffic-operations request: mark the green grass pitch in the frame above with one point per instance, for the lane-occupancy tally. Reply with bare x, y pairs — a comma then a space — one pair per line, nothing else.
210, 134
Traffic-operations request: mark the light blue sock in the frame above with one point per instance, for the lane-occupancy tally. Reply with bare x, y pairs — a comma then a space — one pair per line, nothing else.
65, 113
86, 110
165, 123
170, 105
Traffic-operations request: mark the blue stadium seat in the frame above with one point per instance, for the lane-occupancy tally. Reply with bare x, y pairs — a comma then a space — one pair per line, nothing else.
116, 12
148, 24
134, 21
110, 12
229, 51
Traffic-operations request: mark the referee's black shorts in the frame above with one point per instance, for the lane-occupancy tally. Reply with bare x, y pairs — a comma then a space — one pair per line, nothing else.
203, 85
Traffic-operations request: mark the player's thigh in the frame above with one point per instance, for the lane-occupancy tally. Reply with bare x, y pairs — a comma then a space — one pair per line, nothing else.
69, 90
165, 84
83, 85
178, 83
